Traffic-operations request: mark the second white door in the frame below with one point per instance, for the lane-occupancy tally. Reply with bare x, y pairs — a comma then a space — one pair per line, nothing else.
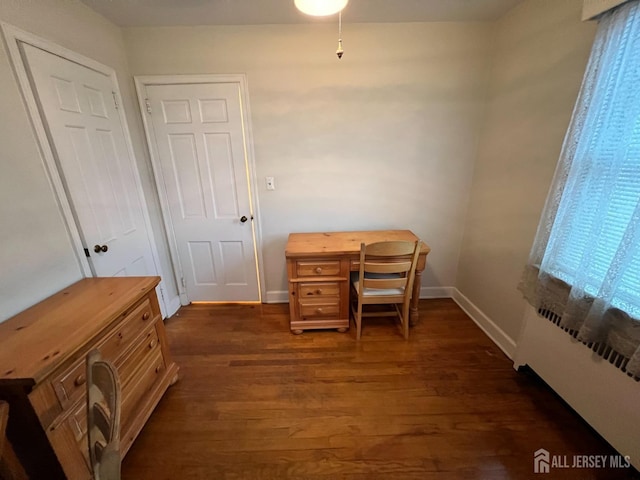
197, 136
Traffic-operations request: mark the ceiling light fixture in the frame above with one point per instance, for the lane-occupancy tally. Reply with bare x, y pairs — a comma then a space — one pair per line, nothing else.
323, 8
320, 8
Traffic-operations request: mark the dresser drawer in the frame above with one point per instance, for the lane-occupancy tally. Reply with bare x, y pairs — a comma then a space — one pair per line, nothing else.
146, 346
319, 289
77, 422
142, 383
70, 385
144, 354
125, 333
317, 268
329, 307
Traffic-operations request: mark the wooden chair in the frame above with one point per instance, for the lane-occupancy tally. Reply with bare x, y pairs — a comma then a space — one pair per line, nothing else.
10, 466
386, 275
103, 417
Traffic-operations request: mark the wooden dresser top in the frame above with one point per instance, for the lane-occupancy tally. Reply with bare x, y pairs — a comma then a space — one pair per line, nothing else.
36, 341
343, 243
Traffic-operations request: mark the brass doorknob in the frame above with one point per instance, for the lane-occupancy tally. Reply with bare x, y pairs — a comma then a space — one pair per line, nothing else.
100, 248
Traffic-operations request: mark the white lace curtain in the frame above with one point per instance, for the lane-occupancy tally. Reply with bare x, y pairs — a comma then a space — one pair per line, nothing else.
584, 266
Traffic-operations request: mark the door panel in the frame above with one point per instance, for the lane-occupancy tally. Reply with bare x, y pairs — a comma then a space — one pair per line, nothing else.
199, 142
85, 132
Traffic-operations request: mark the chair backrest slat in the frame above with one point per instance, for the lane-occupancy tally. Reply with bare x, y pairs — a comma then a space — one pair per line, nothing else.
103, 417
394, 248
385, 283
387, 267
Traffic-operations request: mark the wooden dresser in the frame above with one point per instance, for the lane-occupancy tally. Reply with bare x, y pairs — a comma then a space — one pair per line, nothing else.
42, 369
319, 267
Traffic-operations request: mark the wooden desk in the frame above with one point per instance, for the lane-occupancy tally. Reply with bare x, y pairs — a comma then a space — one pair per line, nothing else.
319, 267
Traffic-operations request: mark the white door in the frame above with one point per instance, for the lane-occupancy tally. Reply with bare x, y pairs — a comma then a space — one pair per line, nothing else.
78, 106
199, 144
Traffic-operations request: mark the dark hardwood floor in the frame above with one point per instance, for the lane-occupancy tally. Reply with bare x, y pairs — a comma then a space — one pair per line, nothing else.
256, 402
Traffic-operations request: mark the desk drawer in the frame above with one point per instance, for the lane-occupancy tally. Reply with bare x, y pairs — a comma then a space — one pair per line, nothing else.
317, 268
319, 289
320, 308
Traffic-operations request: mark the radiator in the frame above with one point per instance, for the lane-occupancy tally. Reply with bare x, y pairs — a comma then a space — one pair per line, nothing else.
599, 391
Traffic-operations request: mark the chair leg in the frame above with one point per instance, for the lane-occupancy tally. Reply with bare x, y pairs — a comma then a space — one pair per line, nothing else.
405, 321
357, 318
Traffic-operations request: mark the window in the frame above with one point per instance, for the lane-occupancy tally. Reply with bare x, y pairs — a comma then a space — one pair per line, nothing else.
597, 213
584, 266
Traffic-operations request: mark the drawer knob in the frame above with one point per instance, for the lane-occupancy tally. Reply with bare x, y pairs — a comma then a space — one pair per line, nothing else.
318, 270
145, 316
80, 380
318, 310
158, 368
152, 343
318, 292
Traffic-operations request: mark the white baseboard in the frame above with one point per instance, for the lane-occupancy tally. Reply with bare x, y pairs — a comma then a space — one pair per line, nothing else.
276, 296
495, 333
437, 292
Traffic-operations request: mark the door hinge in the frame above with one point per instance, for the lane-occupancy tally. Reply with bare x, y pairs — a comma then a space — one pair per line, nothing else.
115, 100
148, 104
86, 252
184, 284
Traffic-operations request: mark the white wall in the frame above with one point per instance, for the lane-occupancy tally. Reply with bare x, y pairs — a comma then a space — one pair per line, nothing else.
540, 54
384, 138
403, 111
592, 8
36, 255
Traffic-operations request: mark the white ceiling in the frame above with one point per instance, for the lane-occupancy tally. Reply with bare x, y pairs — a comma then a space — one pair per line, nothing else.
137, 13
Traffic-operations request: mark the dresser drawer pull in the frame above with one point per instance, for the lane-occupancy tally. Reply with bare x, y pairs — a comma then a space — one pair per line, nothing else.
319, 311
80, 380
158, 368
318, 270
146, 316
318, 292
152, 344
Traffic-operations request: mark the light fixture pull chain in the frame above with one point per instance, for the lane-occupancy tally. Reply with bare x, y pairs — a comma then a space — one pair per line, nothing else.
340, 50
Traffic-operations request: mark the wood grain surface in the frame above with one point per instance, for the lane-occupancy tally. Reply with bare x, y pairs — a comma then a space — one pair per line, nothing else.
341, 243
45, 335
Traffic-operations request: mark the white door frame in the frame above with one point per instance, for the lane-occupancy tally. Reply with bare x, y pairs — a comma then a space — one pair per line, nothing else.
13, 38
143, 81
